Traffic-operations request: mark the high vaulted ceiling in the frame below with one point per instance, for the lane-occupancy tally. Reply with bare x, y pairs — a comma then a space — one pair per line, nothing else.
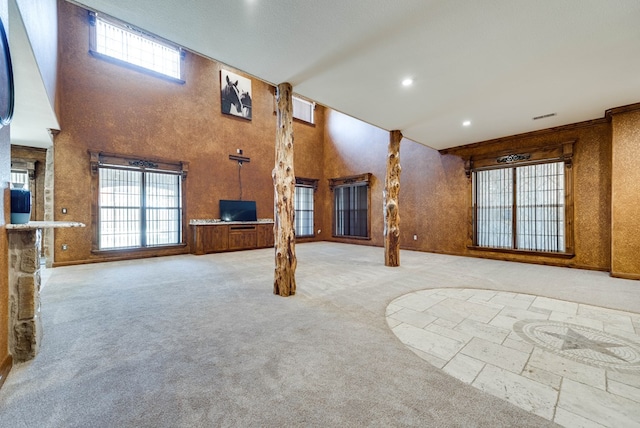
495, 63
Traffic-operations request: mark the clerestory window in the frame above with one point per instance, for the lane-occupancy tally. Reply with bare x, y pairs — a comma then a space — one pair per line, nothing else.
303, 110
119, 42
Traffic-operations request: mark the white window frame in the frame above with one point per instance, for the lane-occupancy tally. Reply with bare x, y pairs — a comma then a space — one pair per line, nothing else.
142, 203
558, 153
159, 57
311, 185
344, 217
303, 109
20, 176
521, 207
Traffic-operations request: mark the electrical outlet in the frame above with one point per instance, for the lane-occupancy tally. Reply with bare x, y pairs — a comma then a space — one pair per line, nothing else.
415, 237
65, 247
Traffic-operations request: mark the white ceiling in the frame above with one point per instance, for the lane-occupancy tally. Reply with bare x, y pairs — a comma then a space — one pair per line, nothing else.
497, 63
33, 114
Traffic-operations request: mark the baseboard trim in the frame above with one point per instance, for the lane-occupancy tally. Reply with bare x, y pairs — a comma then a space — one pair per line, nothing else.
5, 368
622, 275
119, 258
505, 258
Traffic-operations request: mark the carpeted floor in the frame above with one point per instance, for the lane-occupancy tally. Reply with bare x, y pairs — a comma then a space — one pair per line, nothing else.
200, 341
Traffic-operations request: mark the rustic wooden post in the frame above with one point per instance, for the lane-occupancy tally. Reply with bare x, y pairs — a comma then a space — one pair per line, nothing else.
391, 212
284, 182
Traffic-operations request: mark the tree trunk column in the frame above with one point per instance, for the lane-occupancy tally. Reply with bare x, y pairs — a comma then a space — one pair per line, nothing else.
391, 212
284, 182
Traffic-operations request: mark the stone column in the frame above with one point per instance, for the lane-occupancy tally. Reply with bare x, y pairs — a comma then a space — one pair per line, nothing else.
25, 328
47, 238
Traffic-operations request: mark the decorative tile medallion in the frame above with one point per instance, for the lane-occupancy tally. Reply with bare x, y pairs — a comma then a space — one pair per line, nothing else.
583, 344
551, 357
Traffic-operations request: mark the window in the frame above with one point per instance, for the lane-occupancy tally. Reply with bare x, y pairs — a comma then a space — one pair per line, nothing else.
305, 189
351, 206
529, 198
523, 207
20, 177
139, 203
115, 40
303, 109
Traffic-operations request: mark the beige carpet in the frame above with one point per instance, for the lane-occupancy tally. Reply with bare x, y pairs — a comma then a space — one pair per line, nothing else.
192, 341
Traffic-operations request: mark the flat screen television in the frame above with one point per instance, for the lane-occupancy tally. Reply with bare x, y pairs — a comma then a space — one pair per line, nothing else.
238, 210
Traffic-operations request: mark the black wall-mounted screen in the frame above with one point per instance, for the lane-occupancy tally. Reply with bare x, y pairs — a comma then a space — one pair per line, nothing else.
238, 210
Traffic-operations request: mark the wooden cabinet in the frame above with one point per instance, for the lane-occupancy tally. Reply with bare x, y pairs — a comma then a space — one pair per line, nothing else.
242, 237
209, 239
219, 237
265, 235
215, 239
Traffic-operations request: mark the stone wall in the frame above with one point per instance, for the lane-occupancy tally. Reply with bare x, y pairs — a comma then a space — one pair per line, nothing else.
25, 329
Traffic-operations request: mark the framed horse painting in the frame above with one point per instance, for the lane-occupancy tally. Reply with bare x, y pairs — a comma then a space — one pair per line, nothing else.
235, 94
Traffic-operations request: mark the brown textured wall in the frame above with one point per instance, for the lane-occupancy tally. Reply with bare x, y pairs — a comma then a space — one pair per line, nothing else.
433, 200
435, 193
353, 147
625, 198
107, 107
308, 143
432, 197
112, 108
591, 186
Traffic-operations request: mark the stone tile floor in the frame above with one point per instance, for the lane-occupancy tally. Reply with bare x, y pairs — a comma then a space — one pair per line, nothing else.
575, 364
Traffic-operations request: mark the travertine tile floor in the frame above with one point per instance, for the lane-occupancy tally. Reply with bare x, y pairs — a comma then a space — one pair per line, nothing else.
575, 364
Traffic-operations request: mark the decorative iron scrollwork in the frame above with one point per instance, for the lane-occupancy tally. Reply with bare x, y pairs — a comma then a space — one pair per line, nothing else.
362, 178
308, 182
143, 164
514, 158
468, 166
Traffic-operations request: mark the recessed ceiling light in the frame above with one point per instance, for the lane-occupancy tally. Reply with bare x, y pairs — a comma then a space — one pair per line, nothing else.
466, 123
407, 82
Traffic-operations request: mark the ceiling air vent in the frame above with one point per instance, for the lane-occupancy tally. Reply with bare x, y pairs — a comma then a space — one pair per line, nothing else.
544, 116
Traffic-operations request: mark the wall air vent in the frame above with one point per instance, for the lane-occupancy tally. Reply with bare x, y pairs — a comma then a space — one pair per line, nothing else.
544, 116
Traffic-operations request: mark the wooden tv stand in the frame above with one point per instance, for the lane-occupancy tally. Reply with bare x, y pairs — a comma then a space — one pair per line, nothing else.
215, 236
